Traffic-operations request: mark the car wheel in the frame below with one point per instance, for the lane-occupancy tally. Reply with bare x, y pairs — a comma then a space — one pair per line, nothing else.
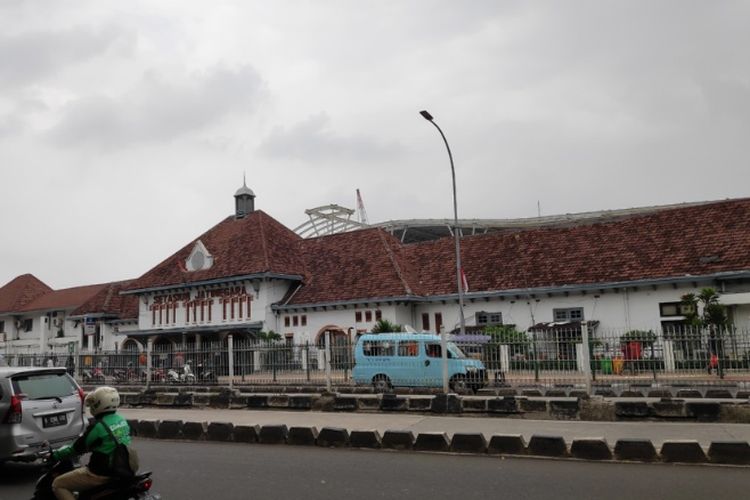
381, 383
458, 384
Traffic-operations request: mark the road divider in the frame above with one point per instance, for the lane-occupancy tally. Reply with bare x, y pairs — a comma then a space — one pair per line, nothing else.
593, 449
596, 408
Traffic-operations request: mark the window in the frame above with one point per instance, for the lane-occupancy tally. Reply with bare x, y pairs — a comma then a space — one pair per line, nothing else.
358, 316
438, 322
295, 320
27, 325
489, 318
249, 301
433, 350
368, 316
2, 326
568, 314
425, 321
224, 309
303, 320
378, 348
287, 321
675, 309
210, 306
378, 315
409, 348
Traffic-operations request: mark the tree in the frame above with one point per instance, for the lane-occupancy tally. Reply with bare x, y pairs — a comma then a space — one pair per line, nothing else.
385, 326
713, 315
506, 334
270, 335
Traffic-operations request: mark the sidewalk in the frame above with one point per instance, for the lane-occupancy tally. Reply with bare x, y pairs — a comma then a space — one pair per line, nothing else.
657, 432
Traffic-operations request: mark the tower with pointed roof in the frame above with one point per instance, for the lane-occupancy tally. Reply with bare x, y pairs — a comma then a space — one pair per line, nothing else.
244, 200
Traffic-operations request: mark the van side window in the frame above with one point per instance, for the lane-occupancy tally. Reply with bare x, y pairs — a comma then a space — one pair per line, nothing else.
378, 348
409, 348
433, 350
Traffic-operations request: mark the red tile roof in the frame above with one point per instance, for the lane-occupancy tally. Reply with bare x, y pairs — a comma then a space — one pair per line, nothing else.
697, 240
67, 298
254, 244
360, 264
369, 264
20, 291
108, 301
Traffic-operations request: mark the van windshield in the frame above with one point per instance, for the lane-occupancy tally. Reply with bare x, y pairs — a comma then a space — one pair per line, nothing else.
455, 352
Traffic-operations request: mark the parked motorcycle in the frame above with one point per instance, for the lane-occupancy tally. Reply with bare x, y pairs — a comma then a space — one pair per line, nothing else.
93, 377
205, 374
137, 487
185, 377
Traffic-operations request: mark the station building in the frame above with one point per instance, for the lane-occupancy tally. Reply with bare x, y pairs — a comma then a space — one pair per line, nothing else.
250, 274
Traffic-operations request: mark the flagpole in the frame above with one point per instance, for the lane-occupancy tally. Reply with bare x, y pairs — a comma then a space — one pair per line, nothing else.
459, 271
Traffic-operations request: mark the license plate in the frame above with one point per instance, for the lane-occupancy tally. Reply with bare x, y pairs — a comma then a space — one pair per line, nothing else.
54, 420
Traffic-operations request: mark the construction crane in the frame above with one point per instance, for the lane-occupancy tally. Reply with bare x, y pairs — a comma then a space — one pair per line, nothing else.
361, 212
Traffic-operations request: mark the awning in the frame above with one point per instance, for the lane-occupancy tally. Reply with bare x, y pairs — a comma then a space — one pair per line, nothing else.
244, 327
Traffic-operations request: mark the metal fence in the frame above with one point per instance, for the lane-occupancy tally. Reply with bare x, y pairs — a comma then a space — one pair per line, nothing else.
555, 355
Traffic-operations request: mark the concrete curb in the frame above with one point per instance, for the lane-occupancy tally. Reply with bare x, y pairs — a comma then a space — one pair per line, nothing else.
333, 437
684, 451
729, 452
365, 439
398, 440
432, 441
506, 444
302, 436
273, 434
469, 443
219, 431
591, 449
547, 446
637, 450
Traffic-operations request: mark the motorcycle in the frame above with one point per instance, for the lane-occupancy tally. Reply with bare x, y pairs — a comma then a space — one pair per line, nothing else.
186, 377
137, 487
95, 377
205, 374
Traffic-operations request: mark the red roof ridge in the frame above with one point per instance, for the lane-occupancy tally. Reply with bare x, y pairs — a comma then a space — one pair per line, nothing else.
394, 261
261, 227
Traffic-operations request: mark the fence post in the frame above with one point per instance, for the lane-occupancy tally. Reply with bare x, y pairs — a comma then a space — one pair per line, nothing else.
327, 355
586, 355
504, 358
149, 351
306, 359
230, 346
669, 365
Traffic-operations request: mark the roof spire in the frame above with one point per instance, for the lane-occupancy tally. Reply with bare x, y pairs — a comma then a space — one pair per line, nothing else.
244, 199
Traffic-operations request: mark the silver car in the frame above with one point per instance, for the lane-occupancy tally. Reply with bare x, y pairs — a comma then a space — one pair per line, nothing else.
37, 406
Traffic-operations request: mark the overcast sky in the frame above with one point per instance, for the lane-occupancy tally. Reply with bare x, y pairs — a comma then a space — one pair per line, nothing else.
125, 127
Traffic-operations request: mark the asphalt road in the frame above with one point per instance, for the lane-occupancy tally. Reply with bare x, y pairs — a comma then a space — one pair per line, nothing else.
234, 471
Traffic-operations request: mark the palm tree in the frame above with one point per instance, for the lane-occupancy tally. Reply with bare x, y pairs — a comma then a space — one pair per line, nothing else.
385, 326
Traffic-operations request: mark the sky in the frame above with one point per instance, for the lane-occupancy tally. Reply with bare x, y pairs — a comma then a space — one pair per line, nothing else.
126, 127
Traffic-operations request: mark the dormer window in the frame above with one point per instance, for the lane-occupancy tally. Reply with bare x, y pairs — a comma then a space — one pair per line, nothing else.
199, 259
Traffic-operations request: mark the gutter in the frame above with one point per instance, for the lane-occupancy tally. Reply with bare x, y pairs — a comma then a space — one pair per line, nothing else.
214, 281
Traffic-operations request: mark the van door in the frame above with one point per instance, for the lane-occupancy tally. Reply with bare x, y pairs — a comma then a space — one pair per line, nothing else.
432, 362
408, 369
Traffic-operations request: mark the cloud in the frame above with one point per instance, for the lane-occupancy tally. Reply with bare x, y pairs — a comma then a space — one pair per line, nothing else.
156, 110
34, 56
312, 140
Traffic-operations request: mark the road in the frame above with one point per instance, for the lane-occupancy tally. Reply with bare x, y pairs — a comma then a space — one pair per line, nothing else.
657, 432
234, 471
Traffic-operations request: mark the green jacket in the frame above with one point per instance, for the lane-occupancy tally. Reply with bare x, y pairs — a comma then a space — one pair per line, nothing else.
96, 440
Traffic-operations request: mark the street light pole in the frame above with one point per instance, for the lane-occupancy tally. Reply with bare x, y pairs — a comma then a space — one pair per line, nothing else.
459, 281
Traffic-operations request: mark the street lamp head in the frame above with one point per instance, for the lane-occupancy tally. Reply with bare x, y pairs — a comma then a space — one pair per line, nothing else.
426, 115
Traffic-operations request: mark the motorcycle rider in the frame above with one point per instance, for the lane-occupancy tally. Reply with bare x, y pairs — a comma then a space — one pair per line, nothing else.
102, 403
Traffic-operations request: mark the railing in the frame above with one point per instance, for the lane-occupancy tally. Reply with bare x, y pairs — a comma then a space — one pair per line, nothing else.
579, 356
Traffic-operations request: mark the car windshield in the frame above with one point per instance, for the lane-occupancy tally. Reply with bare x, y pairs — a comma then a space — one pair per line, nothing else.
44, 385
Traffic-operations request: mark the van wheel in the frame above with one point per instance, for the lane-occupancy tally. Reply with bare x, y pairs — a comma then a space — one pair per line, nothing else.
381, 383
458, 384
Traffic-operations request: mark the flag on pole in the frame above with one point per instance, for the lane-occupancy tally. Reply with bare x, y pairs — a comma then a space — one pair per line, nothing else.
464, 283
